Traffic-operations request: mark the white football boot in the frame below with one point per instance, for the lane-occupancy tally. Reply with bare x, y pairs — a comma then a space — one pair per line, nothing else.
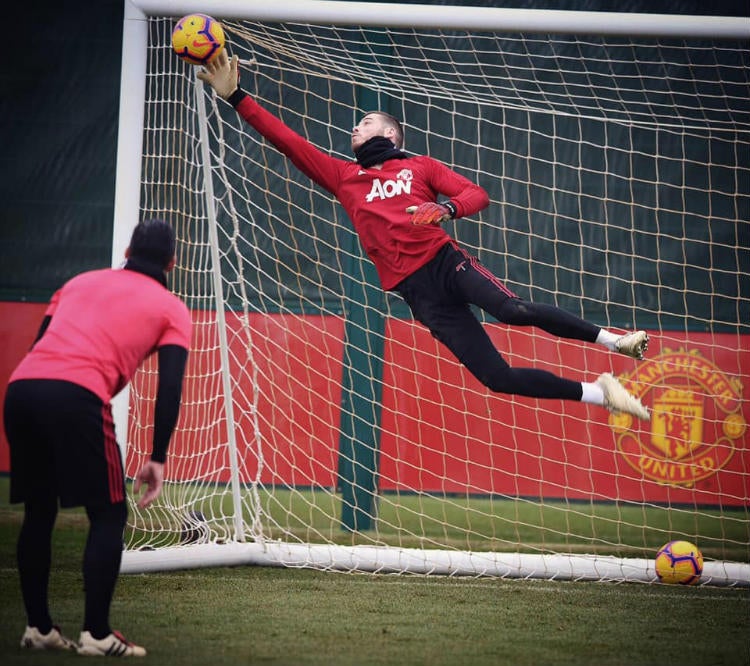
114, 645
617, 400
633, 344
35, 640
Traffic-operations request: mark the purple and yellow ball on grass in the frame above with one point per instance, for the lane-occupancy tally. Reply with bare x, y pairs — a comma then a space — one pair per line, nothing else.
679, 563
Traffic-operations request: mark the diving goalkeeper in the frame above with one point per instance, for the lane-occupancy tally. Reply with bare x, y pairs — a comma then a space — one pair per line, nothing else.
392, 201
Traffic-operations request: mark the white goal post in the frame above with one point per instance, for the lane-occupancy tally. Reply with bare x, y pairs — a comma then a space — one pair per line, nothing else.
321, 426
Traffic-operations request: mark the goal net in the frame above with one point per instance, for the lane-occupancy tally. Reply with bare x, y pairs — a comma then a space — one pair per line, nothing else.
322, 426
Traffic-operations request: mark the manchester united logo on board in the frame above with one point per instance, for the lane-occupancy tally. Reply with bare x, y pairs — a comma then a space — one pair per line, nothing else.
696, 418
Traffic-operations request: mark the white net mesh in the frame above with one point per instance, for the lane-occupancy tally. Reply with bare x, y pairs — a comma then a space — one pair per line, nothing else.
619, 178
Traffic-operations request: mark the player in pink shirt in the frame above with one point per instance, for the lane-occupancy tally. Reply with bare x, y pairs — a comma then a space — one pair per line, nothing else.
98, 329
392, 200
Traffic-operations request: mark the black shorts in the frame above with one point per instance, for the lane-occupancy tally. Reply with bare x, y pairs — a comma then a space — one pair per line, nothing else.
62, 443
440, 294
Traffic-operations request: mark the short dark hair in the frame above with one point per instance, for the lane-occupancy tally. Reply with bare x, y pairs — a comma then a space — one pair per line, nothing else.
153, 241
393, 122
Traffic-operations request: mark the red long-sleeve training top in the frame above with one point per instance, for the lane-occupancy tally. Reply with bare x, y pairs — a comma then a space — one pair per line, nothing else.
376, 199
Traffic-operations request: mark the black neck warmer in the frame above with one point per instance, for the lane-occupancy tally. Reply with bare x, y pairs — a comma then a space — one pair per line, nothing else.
377, 150
147, 268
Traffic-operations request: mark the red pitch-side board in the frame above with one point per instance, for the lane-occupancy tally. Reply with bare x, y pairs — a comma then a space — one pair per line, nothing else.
443, 432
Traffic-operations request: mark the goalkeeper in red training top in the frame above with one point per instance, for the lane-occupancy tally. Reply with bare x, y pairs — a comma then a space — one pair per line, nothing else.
98, 329
391, 199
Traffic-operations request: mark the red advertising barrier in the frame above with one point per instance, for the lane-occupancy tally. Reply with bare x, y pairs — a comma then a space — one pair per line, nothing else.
444, 432
290, 422
441, 430
19, 324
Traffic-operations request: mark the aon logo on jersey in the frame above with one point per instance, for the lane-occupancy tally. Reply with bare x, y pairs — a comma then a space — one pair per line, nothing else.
388, 189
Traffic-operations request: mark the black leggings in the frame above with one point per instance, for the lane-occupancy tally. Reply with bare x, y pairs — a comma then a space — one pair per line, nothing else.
101, 561
440, 294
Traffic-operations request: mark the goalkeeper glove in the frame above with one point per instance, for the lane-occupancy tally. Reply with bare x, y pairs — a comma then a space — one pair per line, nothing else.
431, 212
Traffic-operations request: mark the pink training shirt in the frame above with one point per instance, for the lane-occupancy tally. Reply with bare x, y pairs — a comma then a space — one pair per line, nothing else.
104, 324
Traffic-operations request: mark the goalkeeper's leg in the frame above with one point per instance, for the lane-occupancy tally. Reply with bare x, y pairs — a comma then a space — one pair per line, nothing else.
435, 297
464, 335
477, 285
460, 331
558, 322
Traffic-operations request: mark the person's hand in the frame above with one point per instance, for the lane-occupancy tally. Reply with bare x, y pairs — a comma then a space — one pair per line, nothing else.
221, 74
429, 212
152, 475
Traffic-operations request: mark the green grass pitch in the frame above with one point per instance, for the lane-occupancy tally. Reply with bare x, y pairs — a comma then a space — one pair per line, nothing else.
273, 616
